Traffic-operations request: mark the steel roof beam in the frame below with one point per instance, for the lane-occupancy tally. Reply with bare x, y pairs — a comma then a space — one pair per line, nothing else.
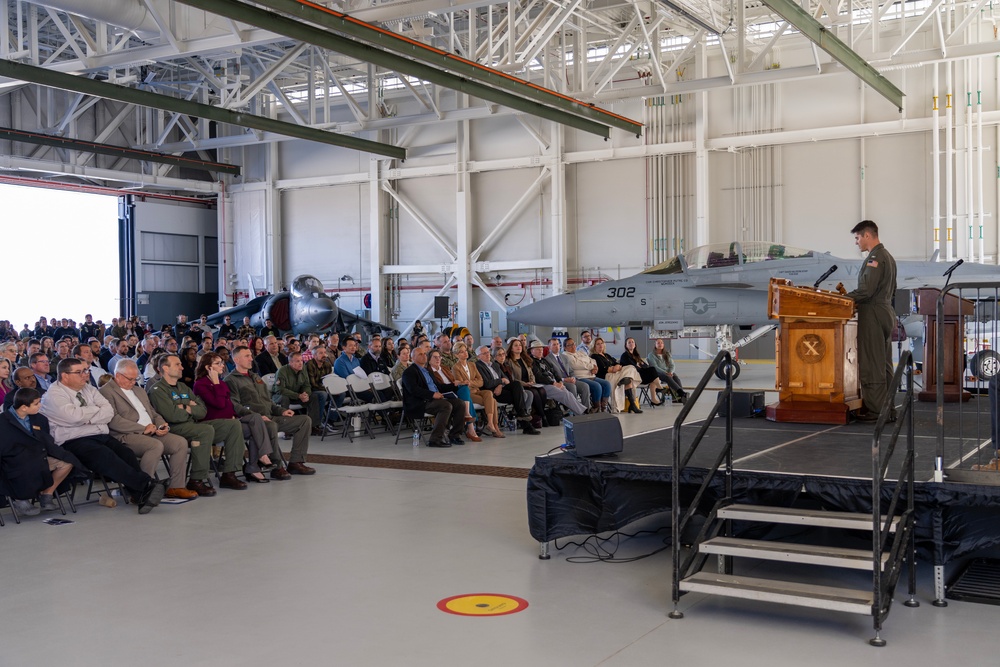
386, 49
111, 91
826, 40
115, 151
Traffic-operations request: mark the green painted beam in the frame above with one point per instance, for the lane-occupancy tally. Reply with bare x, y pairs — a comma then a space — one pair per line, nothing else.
111, 91
371, 44
841, 52
115, 151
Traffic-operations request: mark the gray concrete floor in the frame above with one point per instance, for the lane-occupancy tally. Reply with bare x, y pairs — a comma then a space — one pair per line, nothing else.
346, 568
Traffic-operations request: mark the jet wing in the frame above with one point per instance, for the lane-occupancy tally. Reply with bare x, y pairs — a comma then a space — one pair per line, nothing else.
348, 323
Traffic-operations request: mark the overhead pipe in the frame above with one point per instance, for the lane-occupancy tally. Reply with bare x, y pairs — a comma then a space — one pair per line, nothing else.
128, 14
936, 166
948, 175
969, 180
979, 158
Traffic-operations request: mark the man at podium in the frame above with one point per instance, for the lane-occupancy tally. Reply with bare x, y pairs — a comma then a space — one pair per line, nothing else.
876, 319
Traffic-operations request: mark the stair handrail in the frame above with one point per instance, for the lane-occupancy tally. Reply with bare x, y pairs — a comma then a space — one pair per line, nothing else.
678, 522
903, 547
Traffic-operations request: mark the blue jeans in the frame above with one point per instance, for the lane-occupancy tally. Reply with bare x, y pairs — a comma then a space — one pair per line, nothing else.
599, 389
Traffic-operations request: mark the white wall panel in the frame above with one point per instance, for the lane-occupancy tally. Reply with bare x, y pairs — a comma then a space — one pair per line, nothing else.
250, 237
607, 216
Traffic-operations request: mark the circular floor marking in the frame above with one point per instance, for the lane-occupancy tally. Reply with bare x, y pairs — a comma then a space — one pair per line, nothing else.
482, 604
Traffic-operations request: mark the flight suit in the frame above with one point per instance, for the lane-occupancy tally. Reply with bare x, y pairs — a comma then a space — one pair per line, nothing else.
876, 319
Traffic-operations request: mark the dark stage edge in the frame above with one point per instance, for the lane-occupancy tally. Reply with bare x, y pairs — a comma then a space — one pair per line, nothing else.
426, 466
774, 464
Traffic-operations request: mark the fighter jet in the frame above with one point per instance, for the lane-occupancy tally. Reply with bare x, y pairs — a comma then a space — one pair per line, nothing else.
305, 308
721, 286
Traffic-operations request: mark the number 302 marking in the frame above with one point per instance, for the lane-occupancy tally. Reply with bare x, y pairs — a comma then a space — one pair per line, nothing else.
621, 292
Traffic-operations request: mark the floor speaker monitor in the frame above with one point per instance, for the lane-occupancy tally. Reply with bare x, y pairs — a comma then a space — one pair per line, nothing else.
593, 435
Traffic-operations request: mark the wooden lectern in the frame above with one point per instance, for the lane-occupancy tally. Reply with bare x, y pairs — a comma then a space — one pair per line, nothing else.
954, 327
817, 355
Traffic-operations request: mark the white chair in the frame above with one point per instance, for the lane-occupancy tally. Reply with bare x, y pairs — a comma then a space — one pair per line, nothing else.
381, 387
337, 386
357, 386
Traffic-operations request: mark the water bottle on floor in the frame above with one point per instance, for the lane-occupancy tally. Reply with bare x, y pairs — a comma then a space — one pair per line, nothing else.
416, 438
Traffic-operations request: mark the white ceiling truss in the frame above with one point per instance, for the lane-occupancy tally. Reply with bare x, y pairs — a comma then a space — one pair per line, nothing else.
598, 51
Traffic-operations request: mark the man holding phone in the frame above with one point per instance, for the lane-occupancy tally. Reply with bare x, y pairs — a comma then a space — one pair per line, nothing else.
140, 428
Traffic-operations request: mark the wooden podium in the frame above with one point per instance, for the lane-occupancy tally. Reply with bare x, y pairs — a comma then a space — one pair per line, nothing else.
954, 333
817, 355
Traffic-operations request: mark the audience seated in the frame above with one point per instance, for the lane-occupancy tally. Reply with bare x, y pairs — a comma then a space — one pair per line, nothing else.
518, 365
140, 428
553, 361
661, 360
249, 390
402, 363
623, 378
554, 389
348, 360
579, 364
292, 385
422, 395
496, 381
78, 418
647, 374
219, 405
184, 411
443, 378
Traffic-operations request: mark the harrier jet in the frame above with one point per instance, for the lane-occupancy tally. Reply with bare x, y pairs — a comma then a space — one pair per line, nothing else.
305, 308
720, 286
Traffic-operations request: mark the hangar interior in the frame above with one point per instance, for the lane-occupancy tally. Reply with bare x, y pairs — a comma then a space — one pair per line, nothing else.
750, 131
487, 151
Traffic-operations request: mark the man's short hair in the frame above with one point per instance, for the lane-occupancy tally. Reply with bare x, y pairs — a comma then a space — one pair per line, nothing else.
22, 374
24, 397
162, 359
294, 354
36, 356
34, 341
865, 226
239, 348
67, 364
124, 364
78, 348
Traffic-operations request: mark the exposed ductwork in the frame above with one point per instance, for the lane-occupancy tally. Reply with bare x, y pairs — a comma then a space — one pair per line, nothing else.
128, 14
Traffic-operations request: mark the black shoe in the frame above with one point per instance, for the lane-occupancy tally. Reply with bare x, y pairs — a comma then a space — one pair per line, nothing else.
455, 440
151, 496
530, 430
864, 416
438, 443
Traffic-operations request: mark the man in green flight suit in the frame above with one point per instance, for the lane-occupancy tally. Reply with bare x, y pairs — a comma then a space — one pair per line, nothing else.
876, 319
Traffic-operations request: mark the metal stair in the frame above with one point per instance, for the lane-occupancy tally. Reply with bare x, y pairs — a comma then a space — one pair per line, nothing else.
890, 525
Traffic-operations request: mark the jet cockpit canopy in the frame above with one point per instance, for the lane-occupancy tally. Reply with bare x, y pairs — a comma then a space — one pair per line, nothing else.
720, 255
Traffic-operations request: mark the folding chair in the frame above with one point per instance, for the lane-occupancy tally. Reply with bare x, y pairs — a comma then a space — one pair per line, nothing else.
382, 388
644, 395
417, 427
357, 386
337, 386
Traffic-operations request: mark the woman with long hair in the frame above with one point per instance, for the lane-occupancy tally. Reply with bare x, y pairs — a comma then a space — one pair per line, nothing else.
622, 378
661, 360
211, 389
6, 382
388, 355
647, 374
444, 376
189, 364
518, 366
465, 372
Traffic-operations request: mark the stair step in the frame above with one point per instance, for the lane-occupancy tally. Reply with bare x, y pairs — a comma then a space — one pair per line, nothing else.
784, 592
802, 517
855, 559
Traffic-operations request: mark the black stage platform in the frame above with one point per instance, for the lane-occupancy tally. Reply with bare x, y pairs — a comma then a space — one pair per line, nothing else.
774, 464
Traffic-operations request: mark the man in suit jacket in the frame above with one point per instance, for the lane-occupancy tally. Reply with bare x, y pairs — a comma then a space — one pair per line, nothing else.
422, 395
31, 463
141, 428
271, 359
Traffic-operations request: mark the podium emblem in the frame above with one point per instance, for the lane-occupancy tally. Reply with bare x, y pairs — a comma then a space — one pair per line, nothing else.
810, 349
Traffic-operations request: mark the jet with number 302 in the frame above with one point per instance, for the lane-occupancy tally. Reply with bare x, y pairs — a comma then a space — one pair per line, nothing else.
720, 286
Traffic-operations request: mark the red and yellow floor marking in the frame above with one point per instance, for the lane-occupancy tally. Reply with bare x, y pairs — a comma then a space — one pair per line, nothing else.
482, 604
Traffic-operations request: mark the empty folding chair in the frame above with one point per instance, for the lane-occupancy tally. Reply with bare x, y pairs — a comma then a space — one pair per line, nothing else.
382, 389
337, 387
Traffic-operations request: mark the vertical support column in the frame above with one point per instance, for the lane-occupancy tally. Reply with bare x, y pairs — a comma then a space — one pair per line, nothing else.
376, 228
701, 153
463, 227
272, 208
557, 206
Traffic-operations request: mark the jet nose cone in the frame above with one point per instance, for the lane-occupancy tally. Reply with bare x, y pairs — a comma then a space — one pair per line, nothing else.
317, 313
557, 311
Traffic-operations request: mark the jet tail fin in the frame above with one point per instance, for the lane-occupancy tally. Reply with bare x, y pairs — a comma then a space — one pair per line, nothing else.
936, 256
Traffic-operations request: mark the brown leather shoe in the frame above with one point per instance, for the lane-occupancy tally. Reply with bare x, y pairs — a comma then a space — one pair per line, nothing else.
298, 468
229, 480
203, 488
280, 473
181, 492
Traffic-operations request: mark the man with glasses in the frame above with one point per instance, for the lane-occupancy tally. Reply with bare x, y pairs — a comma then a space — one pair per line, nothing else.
141, 428
40, 364
78, 418
86, 355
